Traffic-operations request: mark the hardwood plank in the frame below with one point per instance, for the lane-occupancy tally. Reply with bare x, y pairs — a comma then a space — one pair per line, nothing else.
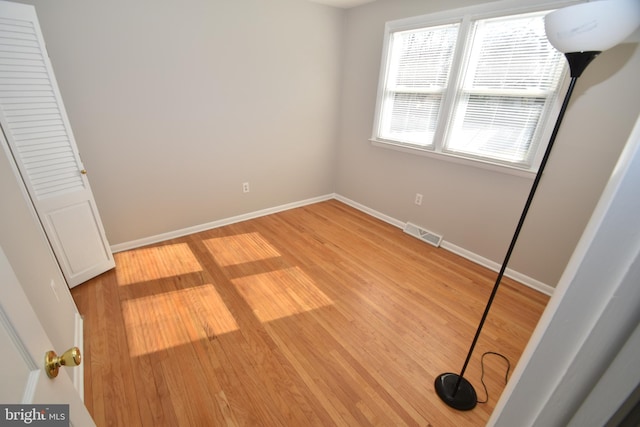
320, 315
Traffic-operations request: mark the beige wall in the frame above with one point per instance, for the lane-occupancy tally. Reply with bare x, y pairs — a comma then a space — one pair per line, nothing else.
174, 104
474, 208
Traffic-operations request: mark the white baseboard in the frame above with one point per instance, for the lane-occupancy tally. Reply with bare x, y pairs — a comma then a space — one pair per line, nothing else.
369, 211
78, 373
492, 265
215, 224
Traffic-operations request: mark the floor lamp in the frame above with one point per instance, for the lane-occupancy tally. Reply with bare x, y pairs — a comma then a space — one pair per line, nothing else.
581, 32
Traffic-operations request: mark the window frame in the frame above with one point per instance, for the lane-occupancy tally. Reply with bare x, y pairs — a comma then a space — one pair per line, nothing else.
465, 17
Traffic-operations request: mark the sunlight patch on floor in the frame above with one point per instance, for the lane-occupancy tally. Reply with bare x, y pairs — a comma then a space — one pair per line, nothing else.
160, 322
240, 249
142, 265
280, 293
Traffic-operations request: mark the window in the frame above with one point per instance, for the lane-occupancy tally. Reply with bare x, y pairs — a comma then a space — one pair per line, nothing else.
480, 89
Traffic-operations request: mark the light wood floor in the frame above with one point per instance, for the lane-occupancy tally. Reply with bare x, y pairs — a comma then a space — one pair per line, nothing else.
320, 316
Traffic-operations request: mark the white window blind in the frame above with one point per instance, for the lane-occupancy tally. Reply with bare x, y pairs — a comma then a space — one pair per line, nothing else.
417, 79
479, 89
511, 79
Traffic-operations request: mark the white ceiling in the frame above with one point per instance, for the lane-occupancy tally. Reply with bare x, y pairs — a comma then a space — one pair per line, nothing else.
344, 4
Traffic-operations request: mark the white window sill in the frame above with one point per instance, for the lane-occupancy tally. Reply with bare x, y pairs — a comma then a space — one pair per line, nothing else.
496, 167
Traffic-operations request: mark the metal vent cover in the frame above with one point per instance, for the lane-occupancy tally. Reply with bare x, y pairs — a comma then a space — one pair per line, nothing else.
422, 234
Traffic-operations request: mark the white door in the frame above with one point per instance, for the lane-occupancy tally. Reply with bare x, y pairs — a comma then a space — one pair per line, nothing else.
37, 129
23, 344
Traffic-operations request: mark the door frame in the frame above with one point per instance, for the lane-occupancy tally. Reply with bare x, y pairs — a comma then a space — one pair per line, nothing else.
78, 332
575, 367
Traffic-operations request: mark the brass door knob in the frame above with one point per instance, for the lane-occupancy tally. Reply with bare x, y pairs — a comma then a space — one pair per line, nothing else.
83, 171
52, 362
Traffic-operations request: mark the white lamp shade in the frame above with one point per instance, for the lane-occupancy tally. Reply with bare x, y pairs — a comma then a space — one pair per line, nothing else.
592, 26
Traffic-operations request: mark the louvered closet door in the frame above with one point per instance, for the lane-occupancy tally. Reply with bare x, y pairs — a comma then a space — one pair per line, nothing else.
36, 127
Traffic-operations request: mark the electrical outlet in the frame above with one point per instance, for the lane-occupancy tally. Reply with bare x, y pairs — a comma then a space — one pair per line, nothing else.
245, 187
418, 199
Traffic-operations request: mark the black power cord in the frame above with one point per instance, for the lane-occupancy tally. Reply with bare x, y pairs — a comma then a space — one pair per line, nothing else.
506, 375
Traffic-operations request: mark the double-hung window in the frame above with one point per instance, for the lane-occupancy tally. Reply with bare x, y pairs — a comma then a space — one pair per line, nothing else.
482, 89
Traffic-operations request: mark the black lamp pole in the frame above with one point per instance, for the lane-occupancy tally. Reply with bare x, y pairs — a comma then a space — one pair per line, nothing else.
455, 390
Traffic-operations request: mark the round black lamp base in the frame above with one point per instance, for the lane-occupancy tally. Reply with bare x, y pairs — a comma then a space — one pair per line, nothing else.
464, 399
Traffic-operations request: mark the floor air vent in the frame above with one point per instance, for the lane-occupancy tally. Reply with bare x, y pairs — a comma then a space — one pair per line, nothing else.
422, 234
